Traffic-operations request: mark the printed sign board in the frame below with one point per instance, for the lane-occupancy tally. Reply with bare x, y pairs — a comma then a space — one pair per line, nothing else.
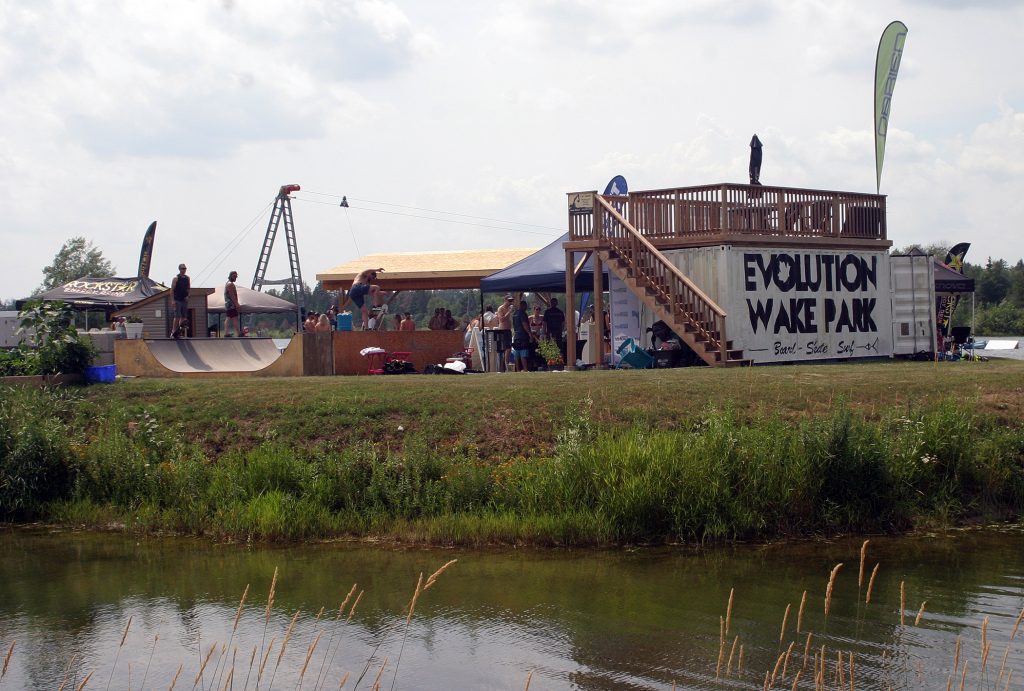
624, 313
790, 305
581, 203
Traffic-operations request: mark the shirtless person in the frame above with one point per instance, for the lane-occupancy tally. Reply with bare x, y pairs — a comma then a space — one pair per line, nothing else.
231, 305
360, 288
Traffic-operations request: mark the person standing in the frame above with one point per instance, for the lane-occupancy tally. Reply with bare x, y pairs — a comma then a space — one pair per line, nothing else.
554, 324
361, 287
231, 305
408, 324
521, 337
503, 331
180, 287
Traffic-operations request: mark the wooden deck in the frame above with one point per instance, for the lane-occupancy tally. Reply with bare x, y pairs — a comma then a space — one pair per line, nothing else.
740, 214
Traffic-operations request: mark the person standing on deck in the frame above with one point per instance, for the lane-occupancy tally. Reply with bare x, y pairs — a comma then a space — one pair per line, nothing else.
231, 305
180, 287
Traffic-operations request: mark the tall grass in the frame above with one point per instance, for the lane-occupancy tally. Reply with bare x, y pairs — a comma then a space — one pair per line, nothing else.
711, 477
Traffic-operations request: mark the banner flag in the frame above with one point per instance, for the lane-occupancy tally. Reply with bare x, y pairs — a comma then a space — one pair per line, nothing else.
616, 186
887, 66
146, 255
945, 305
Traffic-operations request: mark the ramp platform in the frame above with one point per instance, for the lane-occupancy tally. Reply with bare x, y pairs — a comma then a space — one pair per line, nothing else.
228, 357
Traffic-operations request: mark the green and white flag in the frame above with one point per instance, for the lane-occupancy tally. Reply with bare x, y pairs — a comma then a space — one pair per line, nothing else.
887, 66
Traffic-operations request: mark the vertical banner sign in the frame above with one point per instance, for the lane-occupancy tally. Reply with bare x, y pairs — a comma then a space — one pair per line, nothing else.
624, 310
945, 305
887, 66
146, 255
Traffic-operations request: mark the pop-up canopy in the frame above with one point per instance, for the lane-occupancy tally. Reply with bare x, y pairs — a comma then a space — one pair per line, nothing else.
103, 293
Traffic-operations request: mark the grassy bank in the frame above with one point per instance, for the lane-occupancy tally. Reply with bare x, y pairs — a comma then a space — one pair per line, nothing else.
606, 457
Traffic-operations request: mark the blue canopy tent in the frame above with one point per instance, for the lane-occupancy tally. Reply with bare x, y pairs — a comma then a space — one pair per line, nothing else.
544, 270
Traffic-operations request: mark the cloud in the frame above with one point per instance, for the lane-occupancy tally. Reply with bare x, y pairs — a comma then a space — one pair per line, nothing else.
197, 79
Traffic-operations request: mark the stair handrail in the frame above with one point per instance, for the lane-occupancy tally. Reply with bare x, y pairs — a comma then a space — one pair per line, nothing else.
721, 342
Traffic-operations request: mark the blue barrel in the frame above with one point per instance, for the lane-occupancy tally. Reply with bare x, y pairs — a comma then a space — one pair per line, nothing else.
344, 321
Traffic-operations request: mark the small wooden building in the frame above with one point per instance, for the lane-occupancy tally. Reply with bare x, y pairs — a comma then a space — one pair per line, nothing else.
157, 313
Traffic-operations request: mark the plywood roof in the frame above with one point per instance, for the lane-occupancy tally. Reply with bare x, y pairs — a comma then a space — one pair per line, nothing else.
425, 270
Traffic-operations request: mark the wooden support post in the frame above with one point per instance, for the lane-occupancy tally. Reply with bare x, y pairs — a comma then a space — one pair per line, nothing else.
599, 309
570, 307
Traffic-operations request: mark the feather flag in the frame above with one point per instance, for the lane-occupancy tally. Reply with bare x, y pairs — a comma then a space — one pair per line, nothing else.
887, 66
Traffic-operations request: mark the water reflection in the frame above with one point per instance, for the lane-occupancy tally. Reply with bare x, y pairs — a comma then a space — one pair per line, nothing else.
587, 620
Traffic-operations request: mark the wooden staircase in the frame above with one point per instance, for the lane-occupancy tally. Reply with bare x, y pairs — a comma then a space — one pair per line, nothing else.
670, 294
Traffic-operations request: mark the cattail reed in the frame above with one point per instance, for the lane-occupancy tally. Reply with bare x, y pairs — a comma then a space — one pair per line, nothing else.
984, 636
227, 682
287, 637
852, 685
529, 677
800, 613
355, 604
831, 585
263, 664
175, 679
309, 654
1008, 678
341, 607
732, 653
785, 617
202, 667
433, 577
903, 600
840, 674
415, 597
7, 659
984, 656
67, 672
728, 611
920, 613
241, 604
1016, 624
956, 656
775, 672
796, 680
963, 678
270, 595
871, 583
785, 663
766, 684
863, 556
84, 682
739, 663
1003, 664
376, 681
344, 678
721, 647
807, 651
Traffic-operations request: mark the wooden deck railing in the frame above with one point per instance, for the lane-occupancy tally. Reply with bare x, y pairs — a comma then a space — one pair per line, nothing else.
699, 214
673, 291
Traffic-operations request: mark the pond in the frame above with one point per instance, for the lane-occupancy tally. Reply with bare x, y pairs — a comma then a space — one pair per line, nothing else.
500, 619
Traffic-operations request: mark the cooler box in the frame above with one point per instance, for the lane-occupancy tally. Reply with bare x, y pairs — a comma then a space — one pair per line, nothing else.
107, 374
632, 356
344, 321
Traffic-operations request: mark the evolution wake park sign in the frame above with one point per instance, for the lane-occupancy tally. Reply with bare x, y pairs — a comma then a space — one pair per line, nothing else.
805, 305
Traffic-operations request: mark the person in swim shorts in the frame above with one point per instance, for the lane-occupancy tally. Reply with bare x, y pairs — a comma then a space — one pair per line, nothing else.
361, 287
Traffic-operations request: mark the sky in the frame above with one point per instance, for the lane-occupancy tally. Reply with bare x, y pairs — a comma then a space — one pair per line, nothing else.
462, 125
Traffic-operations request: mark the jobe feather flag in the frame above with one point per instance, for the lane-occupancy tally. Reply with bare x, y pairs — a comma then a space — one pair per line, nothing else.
945, 305
887, 66
146, 255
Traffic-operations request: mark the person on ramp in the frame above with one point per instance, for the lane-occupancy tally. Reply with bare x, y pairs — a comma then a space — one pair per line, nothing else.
231, 306
361, 287
180, 287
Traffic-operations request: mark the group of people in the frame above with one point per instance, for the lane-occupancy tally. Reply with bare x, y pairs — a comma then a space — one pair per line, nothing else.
443, 320
319, 321
519, 329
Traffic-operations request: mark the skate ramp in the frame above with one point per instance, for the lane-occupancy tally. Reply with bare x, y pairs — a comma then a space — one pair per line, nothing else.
215, 354
228, 357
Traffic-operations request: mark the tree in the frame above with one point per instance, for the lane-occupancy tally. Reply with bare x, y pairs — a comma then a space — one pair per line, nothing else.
77, 258
994, 283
